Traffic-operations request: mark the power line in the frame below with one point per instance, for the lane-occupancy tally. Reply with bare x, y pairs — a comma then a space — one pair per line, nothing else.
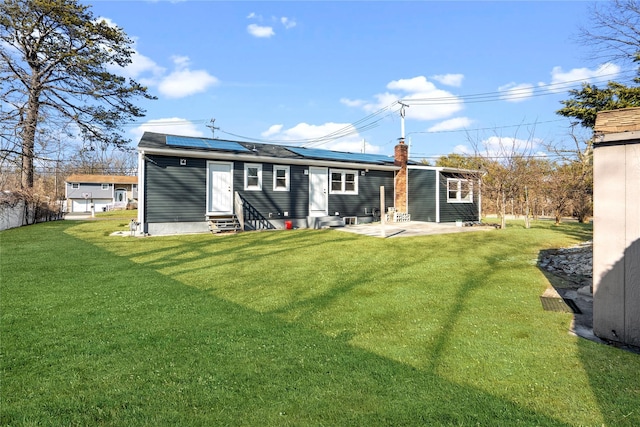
422, 156
488, 128
373, 120
516, 93
366, 123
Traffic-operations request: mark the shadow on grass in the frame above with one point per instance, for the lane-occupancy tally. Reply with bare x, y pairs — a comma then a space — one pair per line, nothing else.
147, 349
579, 231
610, 366
246, 248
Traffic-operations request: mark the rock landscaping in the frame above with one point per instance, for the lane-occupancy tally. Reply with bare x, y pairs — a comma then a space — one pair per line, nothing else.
574, 265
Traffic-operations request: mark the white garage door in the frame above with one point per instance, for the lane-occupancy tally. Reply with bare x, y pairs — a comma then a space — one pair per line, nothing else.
82, 205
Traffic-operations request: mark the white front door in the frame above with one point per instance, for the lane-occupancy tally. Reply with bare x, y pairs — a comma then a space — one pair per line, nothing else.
318, 191
120, 196
219, 188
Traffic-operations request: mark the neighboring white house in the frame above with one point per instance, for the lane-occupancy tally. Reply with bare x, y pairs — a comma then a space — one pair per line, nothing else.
616, 232
104, 192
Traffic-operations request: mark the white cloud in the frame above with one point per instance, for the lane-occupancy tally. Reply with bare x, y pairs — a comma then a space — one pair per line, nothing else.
273, 130
260, 31
352, 102
171, 126
512, 92
501, 146
462, 149
425, 100
140, 67
416, 84
180, 61
451, 124
107, 21
288, 23
178, 84
183, 81
313, 136
449, 79
561, 80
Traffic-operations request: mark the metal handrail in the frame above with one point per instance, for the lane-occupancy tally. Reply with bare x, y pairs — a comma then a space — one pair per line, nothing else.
248, 214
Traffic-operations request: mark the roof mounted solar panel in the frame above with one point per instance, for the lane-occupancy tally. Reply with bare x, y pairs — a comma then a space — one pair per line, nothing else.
208, 144
341, 156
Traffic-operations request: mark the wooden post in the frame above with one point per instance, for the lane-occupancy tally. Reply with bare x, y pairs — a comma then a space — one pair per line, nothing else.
383, 216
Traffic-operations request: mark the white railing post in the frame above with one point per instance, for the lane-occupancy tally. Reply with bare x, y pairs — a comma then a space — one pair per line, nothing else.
239, 209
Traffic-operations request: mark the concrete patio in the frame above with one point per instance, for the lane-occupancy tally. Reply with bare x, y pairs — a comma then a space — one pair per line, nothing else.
408, 229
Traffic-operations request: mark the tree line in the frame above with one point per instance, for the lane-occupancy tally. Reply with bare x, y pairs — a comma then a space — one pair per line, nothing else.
518, 182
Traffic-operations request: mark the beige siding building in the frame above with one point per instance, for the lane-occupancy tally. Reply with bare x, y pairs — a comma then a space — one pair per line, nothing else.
616, 240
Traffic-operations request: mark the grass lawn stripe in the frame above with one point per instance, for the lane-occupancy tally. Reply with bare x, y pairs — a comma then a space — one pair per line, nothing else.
295, 328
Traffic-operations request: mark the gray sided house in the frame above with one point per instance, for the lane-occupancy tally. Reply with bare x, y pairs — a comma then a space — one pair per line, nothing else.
190, 185
103, 192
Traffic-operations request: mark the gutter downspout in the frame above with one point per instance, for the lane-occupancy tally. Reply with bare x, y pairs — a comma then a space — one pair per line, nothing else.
480, 199
142, 226
438, 196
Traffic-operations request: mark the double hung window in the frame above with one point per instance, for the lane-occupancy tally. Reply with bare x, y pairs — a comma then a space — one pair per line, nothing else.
459, 190
252, 177
281, 178
344, 182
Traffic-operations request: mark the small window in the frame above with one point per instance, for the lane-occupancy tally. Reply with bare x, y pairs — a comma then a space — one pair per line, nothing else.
105, 186
344, 182
134, 186
350, 182
459, 191
336, 181
252, 177
75, 185
281, 178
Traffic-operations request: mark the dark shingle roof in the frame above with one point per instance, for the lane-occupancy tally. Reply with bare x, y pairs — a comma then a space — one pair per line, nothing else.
157, 140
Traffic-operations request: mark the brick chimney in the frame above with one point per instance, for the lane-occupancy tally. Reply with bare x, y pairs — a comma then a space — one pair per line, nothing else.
401, 157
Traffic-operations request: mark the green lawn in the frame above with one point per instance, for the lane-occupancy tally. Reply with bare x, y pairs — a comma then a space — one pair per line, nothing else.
296, 327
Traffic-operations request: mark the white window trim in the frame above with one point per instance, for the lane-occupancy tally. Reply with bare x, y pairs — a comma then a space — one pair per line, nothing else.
75, 185
458, 183
287, 171
246, 177
343, 173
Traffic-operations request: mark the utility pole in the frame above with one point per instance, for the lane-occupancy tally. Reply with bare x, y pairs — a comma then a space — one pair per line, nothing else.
213, 128
402, 112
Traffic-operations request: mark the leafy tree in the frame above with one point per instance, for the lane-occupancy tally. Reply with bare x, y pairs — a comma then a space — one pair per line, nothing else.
55, 62
461, 161
588, 101
570, 185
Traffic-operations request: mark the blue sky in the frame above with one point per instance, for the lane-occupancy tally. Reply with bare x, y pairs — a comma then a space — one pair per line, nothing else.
306, 73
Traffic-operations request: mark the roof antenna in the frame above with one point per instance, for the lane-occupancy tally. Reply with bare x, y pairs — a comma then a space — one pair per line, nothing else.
213, 127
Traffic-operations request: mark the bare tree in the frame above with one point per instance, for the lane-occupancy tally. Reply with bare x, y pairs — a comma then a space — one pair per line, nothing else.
504, 162
571, 180
613, 33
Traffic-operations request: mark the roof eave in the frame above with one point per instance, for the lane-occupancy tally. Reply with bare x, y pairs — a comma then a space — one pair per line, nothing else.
266, 159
